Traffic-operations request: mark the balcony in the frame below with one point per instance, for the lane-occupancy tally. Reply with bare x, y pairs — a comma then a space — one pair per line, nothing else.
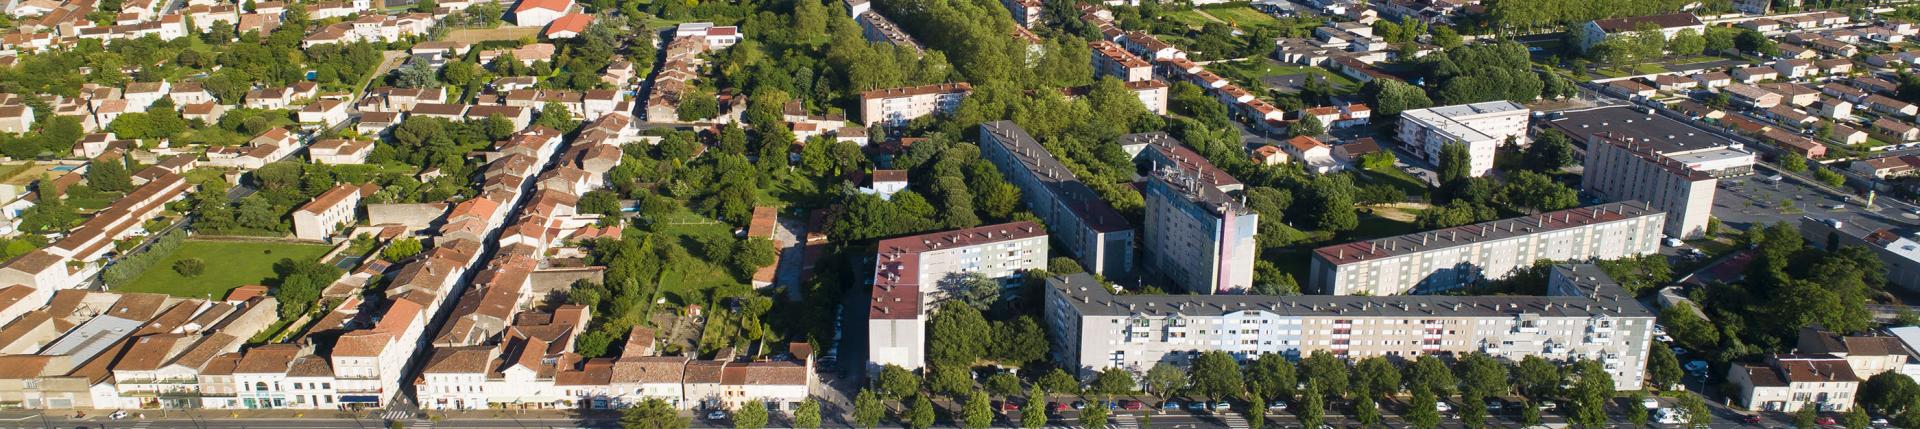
1526, 328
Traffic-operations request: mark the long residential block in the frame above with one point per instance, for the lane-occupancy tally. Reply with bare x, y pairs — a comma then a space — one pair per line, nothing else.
1584, 316
1451, 258
1636, 155
1092, 231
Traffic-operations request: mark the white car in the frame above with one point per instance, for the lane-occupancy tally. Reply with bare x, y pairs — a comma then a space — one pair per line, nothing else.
1663, 338
1442, 406
1650, 403
717, 415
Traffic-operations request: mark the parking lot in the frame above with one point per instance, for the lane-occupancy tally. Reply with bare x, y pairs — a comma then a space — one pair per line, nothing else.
1755, 199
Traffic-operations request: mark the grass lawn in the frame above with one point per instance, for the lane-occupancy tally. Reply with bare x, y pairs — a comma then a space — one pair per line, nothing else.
1252, 70
1648, 68
686, 283
1243, 16
1399, 179
1186, 17
1376, 225
229, 265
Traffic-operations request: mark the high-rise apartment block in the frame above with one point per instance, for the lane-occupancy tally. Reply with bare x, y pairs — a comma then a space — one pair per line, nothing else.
1097, 236
1439, 260
908, 272
1633, 154
1481, 127
1196, 234
1585, 315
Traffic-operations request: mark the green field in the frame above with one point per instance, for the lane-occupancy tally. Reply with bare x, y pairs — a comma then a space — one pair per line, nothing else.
1247, 71
1243, 16
686, 282
229, 265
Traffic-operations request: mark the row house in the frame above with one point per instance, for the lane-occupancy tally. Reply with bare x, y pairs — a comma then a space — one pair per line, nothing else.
270, 146
124, 217
389, 99
372, 28
324, 113
340, 151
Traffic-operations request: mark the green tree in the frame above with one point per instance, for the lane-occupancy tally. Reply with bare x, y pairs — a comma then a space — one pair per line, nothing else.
1018, 342
1455, 163
1375, 377
1164, 379
652, 413
1390, 97
752, 415
1807, 417
920, 414
1216, 375
1270, 375
1530, 414
1590, 394
1367, 412
1327, 370
867, 409
1034, 416
109, 175
1827, 176
1057, 381
697, 105
401, 248
1551, 152
1793, 163
1482, 376
1855, 418
895, 383
1113, 381
1422, 412
1698, 415
957, 335
190, 267
1634, 412
976, 413
1663, 368
1256, 411
1308, 126
1430, 373
1095, 416
808, 415
1003, 384
1312, 409
1687, 42
1536, 377
1686, 326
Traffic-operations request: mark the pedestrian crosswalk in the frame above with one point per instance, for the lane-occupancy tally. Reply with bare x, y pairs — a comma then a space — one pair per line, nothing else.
396, 415
1125, 421
1234, 421
421, 424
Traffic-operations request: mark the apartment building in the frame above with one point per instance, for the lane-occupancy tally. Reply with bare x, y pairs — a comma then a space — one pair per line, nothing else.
1585, 315
896, 106
1597, 31
334, 208
1197, 234
1482, 127
1899, 251
1110, 59
1634, 154
909, 273
1451, 258
1787, 383
1097, 236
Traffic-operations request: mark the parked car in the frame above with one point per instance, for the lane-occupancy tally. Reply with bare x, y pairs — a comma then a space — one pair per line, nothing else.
1547, 406
1827, 420
717, 415
1056, 406
1663, 338
1197, 406
1277, 405
1442, 406
117, 415
1130, 404
1170, 405
1752, 419
1222, 406
1495, 405
1079, 405
1880, 422
1009, 406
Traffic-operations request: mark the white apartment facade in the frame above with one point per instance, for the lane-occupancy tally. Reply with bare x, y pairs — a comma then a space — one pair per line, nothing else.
327, 212
1451, 258
1635, 155
1097, 236
895, 106
1481, 127
1585, 319
909, 272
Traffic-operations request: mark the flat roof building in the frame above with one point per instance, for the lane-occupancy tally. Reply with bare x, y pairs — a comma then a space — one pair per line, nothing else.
1097, 236
1196, 233
909, 272
1584, 316
1451, 258
1482, 127
1633, 154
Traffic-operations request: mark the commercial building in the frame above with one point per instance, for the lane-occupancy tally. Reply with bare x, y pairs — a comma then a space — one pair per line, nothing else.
909, 271
896, 106
1585, 315
1899, 251
1196, 234
1093, 232
1482, 127
1445, 259
1634, 154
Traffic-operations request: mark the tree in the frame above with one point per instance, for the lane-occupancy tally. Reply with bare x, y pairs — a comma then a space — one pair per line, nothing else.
401, 249
1312, 409
1003, 384
895, 382
1095, 416
1390, 97
190, 267
1530, 414
1481, 376
1455, 163
808, 415
416, 74
1033, 416
1256, 411
1686, 326
1590, 394
1018, 342
697, 105
653, 413
1855, 418
752, 415
1551, 152
1634, 410
920, 414
1327, 370
1057, 381
867, 409
555, 115
1827, 176
1807, 417
1663, 369
1687, 42
1308, 126
1367, 412
1430, 373
957, 335
1697, 413
1113, 381
1374, 377
1216, 375
1423, 412
1536, 377
974, 289
1164, 379
109, 176
1270, 375
976, 413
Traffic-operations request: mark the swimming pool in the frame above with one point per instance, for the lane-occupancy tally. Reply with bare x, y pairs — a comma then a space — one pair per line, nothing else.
64, 168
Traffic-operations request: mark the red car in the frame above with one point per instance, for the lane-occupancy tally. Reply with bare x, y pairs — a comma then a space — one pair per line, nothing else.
1130, 404
1009, 406
1057, 407
1826, 420
1750, 419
